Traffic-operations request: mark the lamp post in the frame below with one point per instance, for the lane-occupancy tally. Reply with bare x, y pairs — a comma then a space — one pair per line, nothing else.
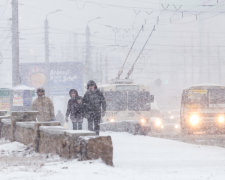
87, 66
115, 31
46, 30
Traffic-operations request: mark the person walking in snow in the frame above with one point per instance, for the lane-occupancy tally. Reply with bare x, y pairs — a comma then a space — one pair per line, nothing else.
75, 110
94, 106
44, 106
60, 117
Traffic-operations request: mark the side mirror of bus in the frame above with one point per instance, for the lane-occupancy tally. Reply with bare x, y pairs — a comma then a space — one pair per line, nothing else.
152, 98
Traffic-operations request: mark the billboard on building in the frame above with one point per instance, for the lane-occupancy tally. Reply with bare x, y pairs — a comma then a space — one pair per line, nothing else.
63, 76
5, 98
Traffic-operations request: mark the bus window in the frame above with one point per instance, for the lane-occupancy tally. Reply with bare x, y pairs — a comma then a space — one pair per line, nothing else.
138, 101
197, 97
116, 101
217, 96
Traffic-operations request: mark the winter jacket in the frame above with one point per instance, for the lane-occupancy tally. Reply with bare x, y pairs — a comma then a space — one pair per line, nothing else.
45, 109
75, 108
94, 102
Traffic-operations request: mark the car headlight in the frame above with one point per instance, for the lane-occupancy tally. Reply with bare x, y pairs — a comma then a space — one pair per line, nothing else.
112, 120
143, 121
158, 122
194, 119
176, 126
221, 119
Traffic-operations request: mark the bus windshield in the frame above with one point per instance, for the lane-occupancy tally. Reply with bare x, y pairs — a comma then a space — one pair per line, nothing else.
127, 100
116, 100
138, 101
206, 97
217, 96
199, 97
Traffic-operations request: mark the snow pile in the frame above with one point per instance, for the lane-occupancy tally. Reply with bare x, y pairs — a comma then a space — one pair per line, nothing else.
135, 157
12, 148
17, 157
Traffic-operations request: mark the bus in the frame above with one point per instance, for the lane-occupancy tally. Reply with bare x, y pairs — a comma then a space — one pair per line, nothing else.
203, 109
127, 101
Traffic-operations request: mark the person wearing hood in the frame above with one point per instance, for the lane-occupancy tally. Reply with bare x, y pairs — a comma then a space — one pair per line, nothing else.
75, 110
60, 117
44, 106
94, 106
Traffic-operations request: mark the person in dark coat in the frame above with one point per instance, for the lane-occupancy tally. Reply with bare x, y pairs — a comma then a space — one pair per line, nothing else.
94, 106
75, 110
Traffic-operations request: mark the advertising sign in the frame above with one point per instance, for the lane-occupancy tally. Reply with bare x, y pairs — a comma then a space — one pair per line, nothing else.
63, 76
4, 99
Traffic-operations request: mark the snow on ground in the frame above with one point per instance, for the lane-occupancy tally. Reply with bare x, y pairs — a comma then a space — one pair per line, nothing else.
135, 157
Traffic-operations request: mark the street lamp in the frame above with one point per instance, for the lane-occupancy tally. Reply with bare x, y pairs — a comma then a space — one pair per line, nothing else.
47, 33
88, 69
115, 30
53, 12
93, 19
46, 29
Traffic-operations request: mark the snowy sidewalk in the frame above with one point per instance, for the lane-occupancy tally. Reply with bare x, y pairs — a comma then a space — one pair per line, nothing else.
135, 158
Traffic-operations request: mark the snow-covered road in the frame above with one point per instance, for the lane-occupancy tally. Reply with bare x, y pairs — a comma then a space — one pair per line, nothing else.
135, 157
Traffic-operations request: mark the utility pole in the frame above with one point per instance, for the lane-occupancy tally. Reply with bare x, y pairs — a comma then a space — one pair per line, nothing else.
96, 71
106, 70
219, 65
1, 58
87, 64
88, 68
184, 63
15, 44
46, 41
75, 48
192, 59
201, 53
46, 29
100, 69
208, 59
47, 54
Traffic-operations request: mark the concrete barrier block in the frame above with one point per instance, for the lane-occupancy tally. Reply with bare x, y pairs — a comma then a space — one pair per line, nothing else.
74, 141
48, 137
53, 140
6, 129
24, 116
25, 132
97, 147
57, 140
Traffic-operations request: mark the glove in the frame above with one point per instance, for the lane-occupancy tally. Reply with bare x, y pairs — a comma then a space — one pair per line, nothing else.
66, 119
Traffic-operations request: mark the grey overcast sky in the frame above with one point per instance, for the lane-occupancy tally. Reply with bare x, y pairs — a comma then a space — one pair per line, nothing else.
181, 24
